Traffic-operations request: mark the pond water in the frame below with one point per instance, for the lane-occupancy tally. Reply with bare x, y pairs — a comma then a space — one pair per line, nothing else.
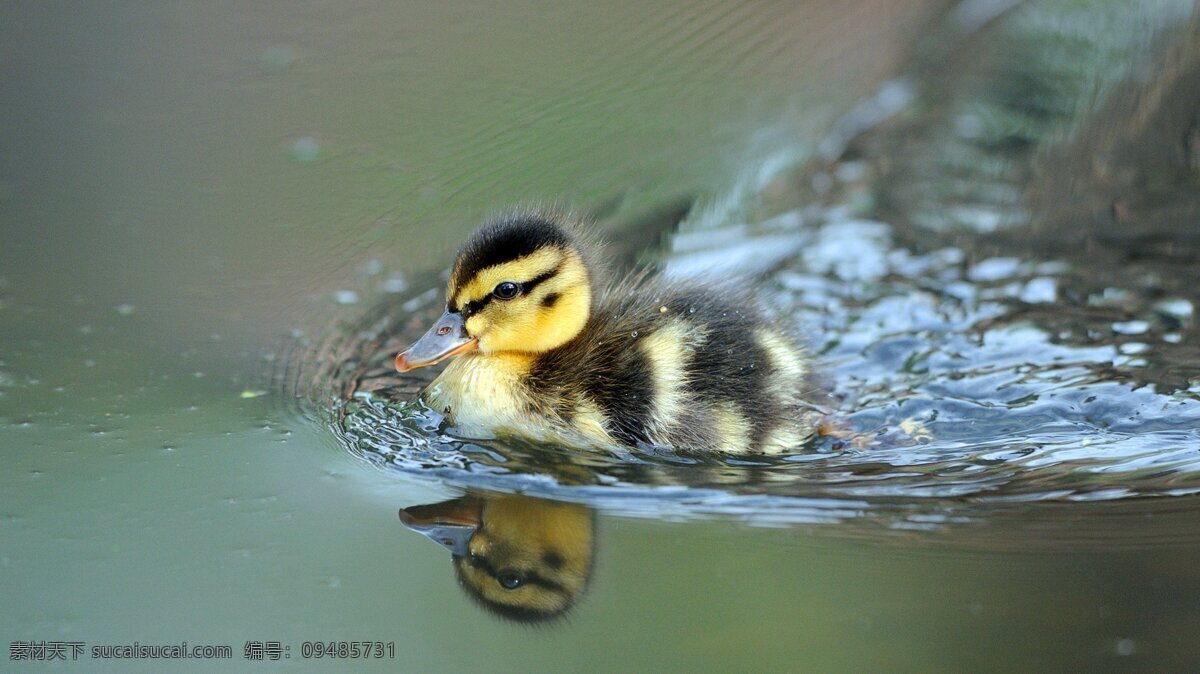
220, 224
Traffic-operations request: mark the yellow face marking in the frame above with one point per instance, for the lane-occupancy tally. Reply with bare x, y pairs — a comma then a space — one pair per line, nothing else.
545, 317
521, 269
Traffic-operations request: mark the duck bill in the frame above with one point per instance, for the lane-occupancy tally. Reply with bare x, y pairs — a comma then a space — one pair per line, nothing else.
447, 338
450, 524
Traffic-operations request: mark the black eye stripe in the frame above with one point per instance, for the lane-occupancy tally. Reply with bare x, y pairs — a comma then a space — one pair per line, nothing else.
510, 580
540, 279
528, 577
475, 306
471, 308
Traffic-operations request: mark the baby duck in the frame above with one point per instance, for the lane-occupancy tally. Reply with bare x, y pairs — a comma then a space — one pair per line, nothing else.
522, 558
546, 349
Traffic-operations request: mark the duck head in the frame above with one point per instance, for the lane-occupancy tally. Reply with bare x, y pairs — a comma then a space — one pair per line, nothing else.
520, 285
522, 558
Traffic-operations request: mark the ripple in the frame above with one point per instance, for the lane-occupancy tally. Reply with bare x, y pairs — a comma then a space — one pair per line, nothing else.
956, 407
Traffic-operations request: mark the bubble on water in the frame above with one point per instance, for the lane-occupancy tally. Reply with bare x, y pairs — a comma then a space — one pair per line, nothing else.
305, 149
346, 297
1125, 647
396, 283
125, 309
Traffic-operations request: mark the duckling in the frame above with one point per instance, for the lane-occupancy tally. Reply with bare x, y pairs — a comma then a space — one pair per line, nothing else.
520, 557
545, 347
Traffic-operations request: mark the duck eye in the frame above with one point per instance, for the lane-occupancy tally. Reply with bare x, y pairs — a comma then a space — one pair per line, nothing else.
506, 290
510, 580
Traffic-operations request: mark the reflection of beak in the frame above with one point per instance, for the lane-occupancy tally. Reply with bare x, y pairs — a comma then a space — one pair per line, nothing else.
448, 337
450, 524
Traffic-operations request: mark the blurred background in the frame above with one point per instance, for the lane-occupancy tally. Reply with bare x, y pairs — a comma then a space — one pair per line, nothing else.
992, 210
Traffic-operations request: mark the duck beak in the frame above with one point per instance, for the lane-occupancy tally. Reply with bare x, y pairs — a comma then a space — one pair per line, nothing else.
448, 337
450, 524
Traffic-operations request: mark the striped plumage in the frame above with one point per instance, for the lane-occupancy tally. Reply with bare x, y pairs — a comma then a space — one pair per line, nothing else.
547, 349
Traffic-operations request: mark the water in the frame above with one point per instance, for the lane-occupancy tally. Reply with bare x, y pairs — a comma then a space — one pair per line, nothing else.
219, 227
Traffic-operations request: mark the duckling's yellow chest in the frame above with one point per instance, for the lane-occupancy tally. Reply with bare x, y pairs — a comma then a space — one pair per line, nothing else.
486, 394
481, 393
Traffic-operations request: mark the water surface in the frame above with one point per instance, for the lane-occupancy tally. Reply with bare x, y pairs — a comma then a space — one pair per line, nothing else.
218, 222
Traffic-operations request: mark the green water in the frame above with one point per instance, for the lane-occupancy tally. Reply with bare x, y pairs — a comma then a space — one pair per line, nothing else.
195, 198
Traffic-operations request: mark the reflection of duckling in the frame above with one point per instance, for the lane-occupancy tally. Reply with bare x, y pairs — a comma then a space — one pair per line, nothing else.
547, 351
523, 558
